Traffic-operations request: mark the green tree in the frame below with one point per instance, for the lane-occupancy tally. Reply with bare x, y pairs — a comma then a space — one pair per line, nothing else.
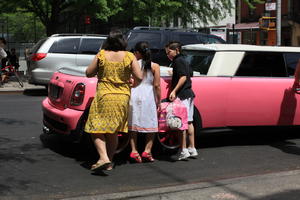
51, 12
54, 13
23, 27
162, 12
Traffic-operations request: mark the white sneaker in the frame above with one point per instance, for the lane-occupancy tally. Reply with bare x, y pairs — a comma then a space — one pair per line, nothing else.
193, 152
183, 154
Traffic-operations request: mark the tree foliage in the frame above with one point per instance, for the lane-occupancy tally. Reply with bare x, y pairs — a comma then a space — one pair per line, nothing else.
251, 3
51, 12
23, 27
55, 13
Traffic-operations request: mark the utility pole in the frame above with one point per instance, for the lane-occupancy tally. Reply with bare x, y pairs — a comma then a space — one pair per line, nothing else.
278, 22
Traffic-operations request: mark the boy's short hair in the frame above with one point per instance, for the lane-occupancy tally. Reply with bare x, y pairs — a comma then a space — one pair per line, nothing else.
173, 45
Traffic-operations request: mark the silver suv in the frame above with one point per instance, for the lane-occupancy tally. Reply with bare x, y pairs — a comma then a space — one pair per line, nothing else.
61, 50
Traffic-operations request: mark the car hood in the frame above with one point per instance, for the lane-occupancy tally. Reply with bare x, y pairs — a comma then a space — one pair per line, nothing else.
74, 71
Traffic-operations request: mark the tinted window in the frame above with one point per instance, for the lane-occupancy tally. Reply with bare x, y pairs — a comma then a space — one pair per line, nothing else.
187, 38
65, 45
199, 61
291, 60
90, 46
153, 38
262, 64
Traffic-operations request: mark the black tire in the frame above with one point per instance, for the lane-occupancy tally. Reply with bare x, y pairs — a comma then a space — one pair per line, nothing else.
86, 140
17, 75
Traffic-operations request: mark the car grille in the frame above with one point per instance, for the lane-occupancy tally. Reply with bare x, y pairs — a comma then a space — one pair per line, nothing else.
54, 91
55, 124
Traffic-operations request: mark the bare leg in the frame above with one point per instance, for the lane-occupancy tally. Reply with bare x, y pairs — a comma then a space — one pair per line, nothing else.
149, 142
182, 139
112, 144
191, 134
100, 144
133, 141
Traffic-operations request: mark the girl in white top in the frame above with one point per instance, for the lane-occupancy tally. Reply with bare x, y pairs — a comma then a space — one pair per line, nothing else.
144, 102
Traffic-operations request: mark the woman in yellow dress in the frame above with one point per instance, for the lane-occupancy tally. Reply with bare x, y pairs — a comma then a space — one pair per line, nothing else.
108, 114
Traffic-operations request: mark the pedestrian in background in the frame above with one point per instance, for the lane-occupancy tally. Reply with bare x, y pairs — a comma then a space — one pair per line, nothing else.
3, 56
144, 103
181, 87
108, 113
14, 58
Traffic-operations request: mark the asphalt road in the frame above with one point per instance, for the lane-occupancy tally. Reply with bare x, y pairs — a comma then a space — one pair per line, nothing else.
38, 166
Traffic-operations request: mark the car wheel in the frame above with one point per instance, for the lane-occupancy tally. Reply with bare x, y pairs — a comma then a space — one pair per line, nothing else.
170, 139
86, 140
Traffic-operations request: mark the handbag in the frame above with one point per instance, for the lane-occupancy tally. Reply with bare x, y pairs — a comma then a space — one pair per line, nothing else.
173, 116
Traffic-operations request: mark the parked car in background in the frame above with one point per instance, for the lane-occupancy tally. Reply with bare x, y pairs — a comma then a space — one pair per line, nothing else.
235, 85
158, 37
61, 50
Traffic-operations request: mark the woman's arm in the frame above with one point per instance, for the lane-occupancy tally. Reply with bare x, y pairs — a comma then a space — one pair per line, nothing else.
156, 83
137, 73
92, 69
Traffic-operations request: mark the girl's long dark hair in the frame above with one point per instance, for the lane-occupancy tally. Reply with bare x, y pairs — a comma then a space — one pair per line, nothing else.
143, 48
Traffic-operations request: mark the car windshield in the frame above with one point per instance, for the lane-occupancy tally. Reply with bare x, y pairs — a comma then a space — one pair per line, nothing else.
199, 61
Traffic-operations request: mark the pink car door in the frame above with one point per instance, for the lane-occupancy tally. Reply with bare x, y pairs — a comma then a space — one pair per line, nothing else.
261, 92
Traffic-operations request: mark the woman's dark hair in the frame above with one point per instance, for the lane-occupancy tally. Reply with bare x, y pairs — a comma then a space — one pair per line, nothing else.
3, 40
115, 41
143, 48
173, 45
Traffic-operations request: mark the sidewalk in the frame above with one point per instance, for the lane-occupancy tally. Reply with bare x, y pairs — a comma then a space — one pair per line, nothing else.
273, 186
14, 86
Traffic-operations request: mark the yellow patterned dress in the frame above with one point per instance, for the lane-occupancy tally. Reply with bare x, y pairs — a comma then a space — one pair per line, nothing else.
109, 109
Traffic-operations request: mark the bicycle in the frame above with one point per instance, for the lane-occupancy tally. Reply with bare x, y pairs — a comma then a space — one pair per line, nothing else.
10, 71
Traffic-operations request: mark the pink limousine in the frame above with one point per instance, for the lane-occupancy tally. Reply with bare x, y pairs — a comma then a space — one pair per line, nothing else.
235, 85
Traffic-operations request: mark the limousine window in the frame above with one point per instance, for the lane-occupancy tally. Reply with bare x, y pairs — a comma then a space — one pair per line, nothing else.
199, 61
262, 64
291, 60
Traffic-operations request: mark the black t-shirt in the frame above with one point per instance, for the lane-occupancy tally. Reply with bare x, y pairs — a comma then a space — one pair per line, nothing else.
181, 68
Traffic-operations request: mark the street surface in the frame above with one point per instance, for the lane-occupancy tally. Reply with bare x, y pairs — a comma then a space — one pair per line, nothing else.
38, 166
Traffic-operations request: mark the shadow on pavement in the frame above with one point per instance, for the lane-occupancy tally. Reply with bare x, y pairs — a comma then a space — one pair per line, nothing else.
64, 146
83, 152
246, 136
35, 92
290, 195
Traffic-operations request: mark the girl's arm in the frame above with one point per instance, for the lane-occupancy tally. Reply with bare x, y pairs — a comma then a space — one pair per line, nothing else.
180, 83
136, 72
156, 83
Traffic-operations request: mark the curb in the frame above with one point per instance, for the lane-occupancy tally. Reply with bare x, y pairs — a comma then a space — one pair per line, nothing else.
13, 87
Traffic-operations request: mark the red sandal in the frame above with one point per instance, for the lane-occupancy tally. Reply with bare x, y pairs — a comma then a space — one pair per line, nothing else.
135, 157
147, 157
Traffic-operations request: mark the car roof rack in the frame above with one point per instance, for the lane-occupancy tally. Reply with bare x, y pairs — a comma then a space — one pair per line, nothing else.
163, 28
76, 34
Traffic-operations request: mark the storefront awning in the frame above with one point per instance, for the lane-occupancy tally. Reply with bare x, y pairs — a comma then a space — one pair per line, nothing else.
246, 26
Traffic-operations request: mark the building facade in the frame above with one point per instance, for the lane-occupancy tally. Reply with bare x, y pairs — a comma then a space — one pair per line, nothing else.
258, 26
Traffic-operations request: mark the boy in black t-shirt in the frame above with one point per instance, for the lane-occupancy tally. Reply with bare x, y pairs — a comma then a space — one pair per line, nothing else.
181, 87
